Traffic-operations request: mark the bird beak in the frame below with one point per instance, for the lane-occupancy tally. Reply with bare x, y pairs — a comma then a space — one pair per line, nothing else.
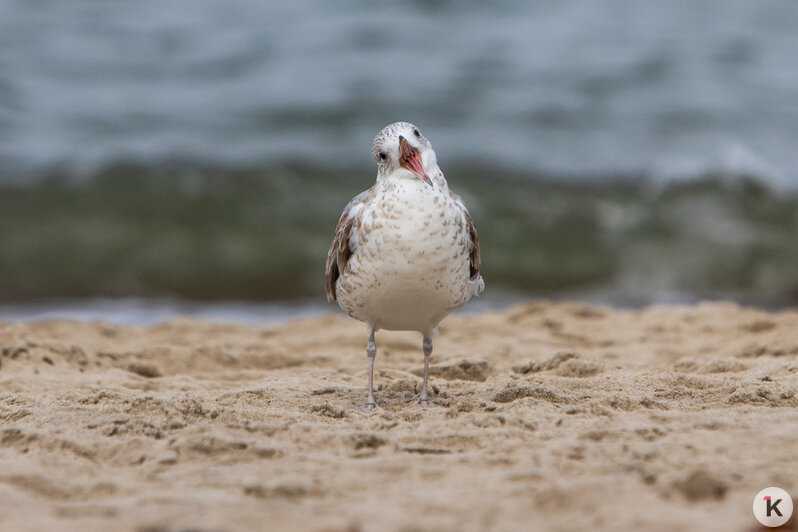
410, 159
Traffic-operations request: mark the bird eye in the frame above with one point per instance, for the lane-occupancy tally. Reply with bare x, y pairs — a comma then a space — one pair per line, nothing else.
416, 132
383, 156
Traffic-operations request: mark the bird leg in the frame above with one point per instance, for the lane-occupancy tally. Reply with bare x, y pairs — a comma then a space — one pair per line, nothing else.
423, 400
371, 351
422, 397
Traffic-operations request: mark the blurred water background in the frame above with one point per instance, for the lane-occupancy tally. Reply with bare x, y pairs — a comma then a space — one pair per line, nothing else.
164, 157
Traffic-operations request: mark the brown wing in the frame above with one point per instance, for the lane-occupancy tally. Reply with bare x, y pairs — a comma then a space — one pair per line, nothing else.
474, 255
342, 247
338, 255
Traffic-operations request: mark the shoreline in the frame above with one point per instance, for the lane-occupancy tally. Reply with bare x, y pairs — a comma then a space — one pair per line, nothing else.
553, 414
145, 312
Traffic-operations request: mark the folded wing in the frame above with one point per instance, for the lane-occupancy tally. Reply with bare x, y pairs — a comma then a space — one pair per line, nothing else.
473, 239
343, 244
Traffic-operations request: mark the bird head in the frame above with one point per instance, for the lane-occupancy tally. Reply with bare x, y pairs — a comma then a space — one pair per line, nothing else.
402, 151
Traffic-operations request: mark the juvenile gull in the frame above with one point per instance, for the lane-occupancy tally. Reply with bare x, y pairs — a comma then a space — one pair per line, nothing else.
405, 253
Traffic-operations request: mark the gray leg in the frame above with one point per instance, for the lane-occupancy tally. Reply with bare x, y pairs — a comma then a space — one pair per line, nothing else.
422, 397
371, 351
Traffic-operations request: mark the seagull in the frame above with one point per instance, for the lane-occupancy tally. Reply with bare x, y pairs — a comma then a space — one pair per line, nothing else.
405, 253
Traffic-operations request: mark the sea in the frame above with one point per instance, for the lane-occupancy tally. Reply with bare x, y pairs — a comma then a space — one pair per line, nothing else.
191, 157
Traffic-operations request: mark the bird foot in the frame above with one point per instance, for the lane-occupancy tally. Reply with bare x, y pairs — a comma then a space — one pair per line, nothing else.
425, 404
368, 408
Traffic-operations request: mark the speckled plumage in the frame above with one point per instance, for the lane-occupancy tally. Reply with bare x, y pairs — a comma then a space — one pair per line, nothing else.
405, 253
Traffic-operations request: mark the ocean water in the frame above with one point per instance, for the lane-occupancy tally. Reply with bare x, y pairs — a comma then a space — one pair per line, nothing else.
614, 151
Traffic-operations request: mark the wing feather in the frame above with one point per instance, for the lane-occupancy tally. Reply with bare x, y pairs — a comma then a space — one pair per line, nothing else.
473, 239
473, 256
343, 245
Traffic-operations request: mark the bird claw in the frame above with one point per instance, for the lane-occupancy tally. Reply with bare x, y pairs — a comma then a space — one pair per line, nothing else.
368, 408
425, 404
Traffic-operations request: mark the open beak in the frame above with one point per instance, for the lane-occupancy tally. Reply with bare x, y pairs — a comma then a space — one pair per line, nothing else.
410, 159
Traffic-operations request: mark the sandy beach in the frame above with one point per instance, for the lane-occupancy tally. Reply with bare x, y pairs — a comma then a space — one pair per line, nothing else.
554, 417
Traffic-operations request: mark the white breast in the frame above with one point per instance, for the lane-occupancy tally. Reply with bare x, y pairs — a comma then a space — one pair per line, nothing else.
410, 268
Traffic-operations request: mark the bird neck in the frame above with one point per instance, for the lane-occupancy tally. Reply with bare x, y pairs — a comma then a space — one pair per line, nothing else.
401, 175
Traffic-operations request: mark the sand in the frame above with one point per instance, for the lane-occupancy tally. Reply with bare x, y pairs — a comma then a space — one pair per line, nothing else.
554, 417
